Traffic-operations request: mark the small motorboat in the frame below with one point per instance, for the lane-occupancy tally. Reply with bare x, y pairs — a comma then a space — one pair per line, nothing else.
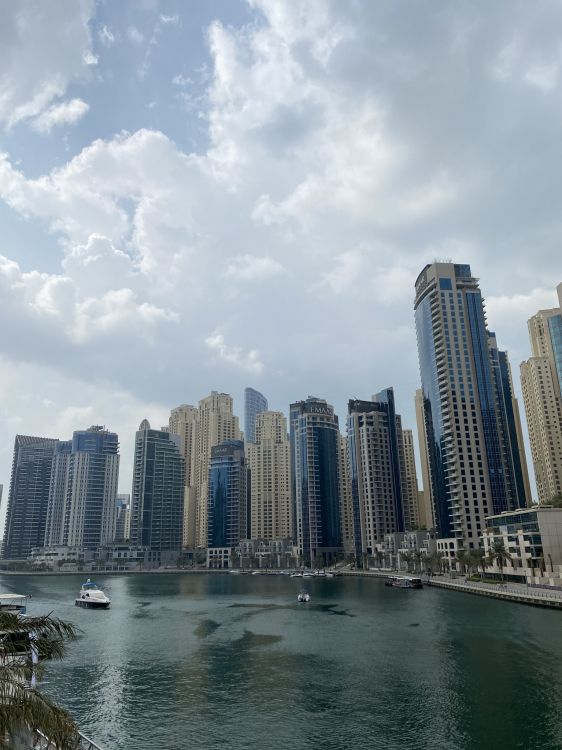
296, 575
303, 596
404, 582
92, 597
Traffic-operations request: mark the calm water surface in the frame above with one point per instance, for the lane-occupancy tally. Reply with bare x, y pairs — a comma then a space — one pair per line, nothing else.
222, 661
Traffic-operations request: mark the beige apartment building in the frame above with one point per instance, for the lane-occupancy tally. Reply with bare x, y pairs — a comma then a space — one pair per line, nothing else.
410, 484
183, 421
540, 382
346, 498
270, 493
215, 424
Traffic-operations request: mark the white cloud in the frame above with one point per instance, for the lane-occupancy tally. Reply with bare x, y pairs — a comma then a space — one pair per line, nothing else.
341, 150
106, 36
234, 355
135, 36
65, 113
35, 69
253, 268
172, 20
181, 80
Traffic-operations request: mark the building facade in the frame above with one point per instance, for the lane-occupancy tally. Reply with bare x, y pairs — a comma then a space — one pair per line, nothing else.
123, 518
254, 403
28, 497
83, 493
542, 397
377, 469
410, 493
228, 498
216, 423
314, 437
158, 492
471, 472
533, 539
425, 505
269, 464
183, 421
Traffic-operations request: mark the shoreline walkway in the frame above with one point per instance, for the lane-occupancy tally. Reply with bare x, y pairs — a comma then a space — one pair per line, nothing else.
514, 592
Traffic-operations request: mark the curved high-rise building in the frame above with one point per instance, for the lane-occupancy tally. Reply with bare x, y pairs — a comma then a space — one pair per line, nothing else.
254, 403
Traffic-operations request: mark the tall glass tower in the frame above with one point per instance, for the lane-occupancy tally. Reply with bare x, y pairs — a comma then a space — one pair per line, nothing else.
29, 495
82, 500
471, 467
158, 492
228, 500
315, 445
254, 403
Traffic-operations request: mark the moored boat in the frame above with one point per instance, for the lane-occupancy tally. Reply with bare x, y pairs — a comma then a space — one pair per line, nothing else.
404, 582
92, 597
14, 603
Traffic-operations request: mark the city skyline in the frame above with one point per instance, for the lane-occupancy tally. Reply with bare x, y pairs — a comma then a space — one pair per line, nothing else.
242, 194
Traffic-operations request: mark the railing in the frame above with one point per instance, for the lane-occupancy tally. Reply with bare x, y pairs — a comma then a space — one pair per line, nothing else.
40, 742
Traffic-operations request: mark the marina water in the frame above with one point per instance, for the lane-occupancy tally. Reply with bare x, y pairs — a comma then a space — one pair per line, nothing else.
207, 661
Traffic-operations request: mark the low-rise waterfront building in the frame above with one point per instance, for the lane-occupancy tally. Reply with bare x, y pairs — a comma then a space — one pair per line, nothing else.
532, 539
267, 553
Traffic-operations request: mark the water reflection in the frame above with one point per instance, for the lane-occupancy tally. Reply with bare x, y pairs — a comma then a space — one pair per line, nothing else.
202, 661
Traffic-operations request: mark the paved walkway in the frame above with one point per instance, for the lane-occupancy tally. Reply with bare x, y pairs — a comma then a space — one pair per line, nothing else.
516, 592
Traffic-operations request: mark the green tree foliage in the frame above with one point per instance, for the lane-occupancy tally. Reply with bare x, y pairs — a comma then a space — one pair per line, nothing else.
23, 708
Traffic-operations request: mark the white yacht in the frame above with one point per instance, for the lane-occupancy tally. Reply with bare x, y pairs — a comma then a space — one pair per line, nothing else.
303, 596
92, 596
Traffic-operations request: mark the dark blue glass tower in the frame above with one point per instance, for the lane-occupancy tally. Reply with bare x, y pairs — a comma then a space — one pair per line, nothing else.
29, 495
228, 495
157, 498
314, 434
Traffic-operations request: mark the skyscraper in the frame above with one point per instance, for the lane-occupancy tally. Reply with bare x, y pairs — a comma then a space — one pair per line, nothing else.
512, 444
471, 472
410, 485
158, 492
268, 459
216, 423
254, 403
425, 504
29, 495
82, 500
315, 480
377, 468
183, 422
123, 518
228, 495
543, 402
349, 521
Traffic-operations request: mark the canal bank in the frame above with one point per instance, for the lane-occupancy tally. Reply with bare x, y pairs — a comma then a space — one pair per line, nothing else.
513, 592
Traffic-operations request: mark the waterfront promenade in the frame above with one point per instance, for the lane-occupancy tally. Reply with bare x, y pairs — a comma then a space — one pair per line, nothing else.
515, 592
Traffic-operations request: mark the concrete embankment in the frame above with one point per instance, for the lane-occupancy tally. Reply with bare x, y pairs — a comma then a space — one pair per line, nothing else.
513, 593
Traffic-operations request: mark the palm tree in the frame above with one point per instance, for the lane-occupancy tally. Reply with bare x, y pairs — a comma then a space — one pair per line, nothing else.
379, 557
476, 558
500, 554
23, 709
408, 557
463, 560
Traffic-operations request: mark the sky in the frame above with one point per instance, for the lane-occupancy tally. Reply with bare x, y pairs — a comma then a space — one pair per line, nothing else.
215, 194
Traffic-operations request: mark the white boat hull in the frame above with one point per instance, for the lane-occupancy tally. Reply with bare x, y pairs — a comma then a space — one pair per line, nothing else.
92, 604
